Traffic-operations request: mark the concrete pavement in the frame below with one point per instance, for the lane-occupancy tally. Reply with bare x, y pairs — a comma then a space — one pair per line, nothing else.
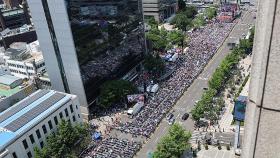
194, 92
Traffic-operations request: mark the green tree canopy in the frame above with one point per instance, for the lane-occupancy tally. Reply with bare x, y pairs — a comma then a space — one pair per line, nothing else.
190, 11
152, 22
246, 45
181, 21
181, 5
198, 21
174, 143
177, 37
158, 39
63, 142
210, 12
154, 65
114, 91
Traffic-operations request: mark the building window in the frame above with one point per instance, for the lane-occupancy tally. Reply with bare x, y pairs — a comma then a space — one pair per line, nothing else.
71, 108
41, 144
14, 155
74, 118
29, 154
55, 120
25, 144
44, 129
38, 134
60, 115
50, 124
66, 112
31, 139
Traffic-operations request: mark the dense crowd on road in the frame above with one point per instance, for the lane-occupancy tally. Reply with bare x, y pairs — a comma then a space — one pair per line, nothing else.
203, 44
113, 148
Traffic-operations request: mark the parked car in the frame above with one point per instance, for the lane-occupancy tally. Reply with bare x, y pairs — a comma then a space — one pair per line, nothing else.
185, 116
169, 116
171, 121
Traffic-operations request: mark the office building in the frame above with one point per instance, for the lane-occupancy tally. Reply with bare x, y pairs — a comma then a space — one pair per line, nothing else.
87, 42
26, 124
262, 137
161, 10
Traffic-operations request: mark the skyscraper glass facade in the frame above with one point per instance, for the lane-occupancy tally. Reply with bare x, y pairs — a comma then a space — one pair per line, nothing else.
108, 37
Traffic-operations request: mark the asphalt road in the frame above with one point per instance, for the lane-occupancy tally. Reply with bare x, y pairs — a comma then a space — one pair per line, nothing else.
194, 92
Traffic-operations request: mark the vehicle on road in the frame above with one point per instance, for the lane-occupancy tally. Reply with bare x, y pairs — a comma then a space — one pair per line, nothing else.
205, 88
171, 121
136, 108
185, 116
169, 116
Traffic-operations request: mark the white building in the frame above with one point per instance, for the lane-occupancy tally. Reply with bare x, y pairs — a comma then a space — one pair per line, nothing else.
23, 60
28, 123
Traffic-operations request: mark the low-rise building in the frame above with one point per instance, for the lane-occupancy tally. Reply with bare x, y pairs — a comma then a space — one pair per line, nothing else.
12, 90
24, 60
26, 124
25, 33
14, 14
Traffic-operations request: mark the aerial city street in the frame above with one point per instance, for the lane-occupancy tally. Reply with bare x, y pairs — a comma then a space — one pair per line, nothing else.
137, 78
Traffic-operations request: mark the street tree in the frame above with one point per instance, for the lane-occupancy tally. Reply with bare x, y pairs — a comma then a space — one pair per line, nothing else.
64, 142
181, 5
181, 21
177, 37
210, 12
154, 65
158, 39
246, 45
174, 143
190, 11
198, 21
114, 91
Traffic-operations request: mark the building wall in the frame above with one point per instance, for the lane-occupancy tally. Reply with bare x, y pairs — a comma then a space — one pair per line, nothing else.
18, 147
41, 26
262, 137
68, 52
65, 40
25, 69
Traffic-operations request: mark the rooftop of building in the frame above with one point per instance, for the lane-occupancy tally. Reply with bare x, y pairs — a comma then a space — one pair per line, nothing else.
7, 80
24, 115
21, 51
11, 32
8, 92
12, 12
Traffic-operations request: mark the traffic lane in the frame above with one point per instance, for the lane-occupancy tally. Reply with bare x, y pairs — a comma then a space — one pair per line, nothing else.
193, 93
150, 146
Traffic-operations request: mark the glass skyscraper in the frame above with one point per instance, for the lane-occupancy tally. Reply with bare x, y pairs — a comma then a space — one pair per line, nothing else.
87, 42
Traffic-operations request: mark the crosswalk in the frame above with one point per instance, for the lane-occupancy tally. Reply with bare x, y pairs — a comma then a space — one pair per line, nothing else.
197, 136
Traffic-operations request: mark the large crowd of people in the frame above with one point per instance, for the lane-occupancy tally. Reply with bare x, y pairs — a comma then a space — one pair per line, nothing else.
114, 148
203, 44
110, 62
